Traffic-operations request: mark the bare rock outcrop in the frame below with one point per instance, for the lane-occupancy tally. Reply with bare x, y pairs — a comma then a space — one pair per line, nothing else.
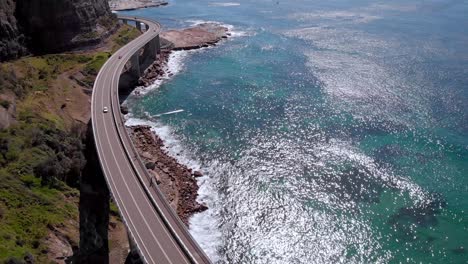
42, 26
12, 41
202, 35
7, 109
52, 26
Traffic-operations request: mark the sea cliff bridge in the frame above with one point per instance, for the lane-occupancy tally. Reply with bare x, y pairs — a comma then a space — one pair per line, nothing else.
156, 231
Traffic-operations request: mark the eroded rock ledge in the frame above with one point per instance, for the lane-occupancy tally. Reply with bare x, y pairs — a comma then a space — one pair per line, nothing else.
202, 35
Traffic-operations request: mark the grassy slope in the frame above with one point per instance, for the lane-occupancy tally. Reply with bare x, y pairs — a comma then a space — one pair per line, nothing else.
41, 155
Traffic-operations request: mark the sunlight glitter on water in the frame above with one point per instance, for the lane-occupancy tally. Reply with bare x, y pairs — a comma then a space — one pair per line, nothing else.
331, 135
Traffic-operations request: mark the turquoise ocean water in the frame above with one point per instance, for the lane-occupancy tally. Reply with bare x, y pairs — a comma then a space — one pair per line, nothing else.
328, 131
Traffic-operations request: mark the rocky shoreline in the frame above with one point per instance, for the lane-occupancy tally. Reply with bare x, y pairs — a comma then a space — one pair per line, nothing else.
175, 180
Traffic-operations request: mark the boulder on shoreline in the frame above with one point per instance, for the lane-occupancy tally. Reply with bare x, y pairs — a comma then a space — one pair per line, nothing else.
197, 174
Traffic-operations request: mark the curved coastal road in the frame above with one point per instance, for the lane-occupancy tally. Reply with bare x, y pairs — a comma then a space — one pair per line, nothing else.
155, 228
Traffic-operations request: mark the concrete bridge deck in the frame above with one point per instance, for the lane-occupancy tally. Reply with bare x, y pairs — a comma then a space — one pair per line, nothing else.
155, 229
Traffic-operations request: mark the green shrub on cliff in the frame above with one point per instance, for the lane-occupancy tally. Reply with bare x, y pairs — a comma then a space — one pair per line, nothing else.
36, 159
34, 199
126, 35
41, 156
93, 66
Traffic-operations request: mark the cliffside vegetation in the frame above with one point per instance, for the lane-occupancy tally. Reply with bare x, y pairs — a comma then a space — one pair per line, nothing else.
41, 153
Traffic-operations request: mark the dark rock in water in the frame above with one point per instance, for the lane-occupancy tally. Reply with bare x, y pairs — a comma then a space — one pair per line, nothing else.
459, 250
197, 174
423, 215
352, 184
124, 109
390, 151
200, 208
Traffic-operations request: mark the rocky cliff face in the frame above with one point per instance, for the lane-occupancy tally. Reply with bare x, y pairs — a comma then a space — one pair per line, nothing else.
12, 42
42, 26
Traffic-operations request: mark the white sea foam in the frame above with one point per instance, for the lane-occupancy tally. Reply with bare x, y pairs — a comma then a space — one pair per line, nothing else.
376, 7
268, 47
203, 226
172, 144
224, 4
175, 64
231, 28
338, 16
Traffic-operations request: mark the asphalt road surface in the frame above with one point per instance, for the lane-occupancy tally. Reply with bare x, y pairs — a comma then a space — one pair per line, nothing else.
155, 228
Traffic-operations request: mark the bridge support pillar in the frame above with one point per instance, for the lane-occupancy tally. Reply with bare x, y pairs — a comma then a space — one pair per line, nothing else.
135, 61
147, 27
133, 256
152, 47
124, 21
138, 25
158, 44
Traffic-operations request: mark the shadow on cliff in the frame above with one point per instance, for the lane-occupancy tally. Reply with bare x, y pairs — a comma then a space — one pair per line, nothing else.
94, 209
